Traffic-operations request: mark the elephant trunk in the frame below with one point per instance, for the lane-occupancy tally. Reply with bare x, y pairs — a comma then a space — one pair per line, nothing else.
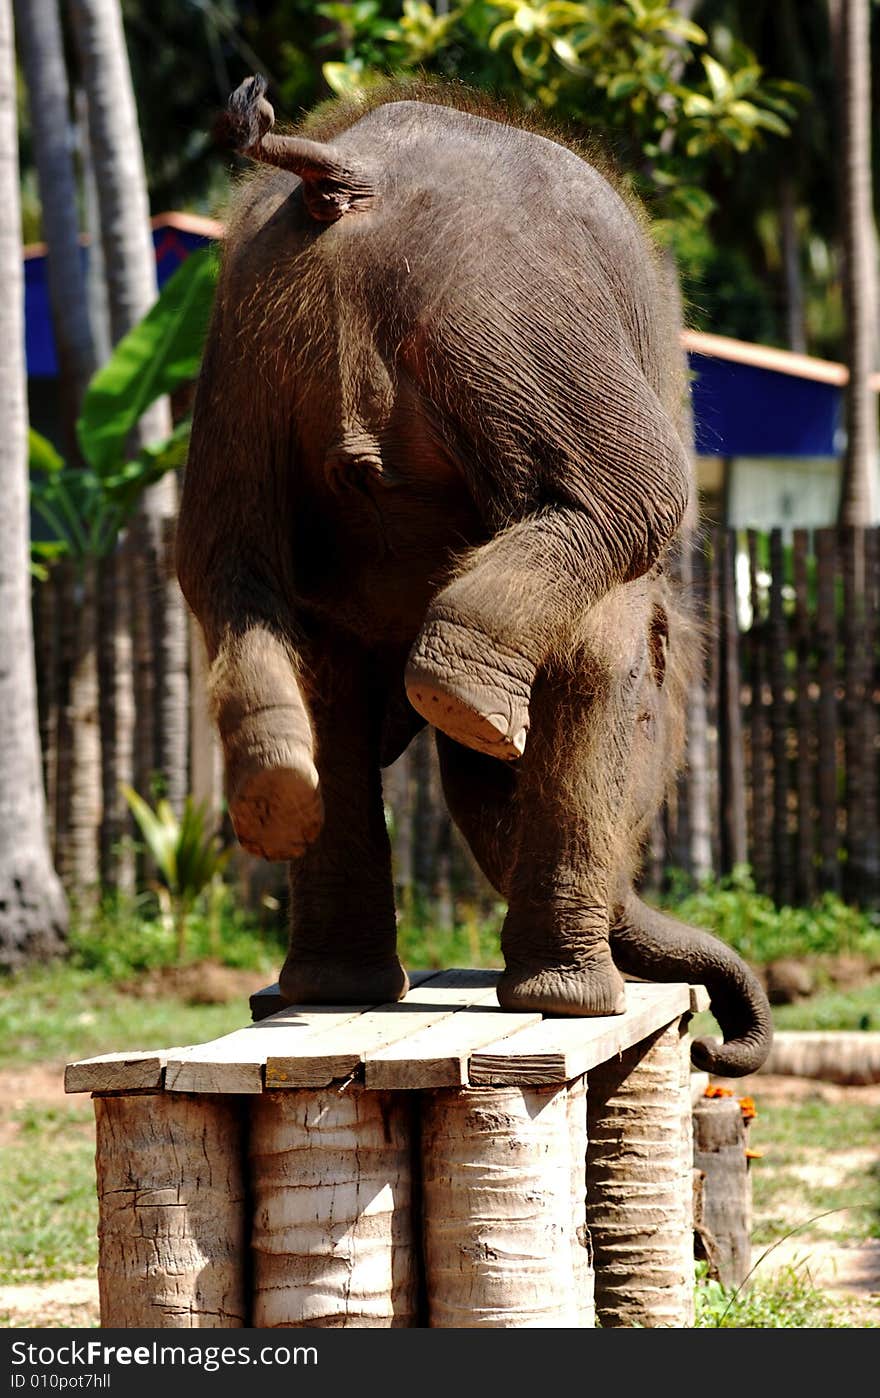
648, 944
331, 185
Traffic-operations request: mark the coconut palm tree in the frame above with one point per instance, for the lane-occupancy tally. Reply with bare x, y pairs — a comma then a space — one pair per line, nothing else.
851, 28
77, 752
130, 267
33, 912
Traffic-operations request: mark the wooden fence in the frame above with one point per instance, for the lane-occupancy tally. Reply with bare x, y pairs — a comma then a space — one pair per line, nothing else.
792, 738
784, 734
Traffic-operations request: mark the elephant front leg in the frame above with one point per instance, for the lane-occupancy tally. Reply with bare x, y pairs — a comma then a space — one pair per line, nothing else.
571, 837
343, 930
271, 779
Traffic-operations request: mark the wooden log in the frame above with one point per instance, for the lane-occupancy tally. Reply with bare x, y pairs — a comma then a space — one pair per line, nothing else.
639, 1184
331, 1179
848, 1058
497, 1188
720, 1155
171, 1206
584, 1279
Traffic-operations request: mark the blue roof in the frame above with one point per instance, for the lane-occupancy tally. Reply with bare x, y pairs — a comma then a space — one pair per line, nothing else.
740, 409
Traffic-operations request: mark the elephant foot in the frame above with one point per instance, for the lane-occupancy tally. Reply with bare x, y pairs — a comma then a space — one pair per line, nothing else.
597, 989
307, 981
274, 802
469, 688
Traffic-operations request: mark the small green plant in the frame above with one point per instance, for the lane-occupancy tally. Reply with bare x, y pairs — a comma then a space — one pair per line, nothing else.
188, 855
751, 923
787, 1302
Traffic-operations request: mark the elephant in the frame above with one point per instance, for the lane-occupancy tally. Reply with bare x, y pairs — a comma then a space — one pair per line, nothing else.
437, 474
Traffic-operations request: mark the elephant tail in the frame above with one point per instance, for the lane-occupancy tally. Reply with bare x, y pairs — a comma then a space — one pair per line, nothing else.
648, 944
331, 184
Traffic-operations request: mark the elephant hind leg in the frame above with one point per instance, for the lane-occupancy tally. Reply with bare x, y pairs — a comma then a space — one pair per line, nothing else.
481, 797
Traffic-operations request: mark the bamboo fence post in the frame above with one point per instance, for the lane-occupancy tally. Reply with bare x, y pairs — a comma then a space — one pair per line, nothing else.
734, 845
333, 1234
640, 1183
498, 1184
755, 645
783, 883
826, 648
806, 746
171, 1202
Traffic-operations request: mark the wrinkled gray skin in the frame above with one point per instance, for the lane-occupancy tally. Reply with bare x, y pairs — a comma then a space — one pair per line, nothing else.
435, 470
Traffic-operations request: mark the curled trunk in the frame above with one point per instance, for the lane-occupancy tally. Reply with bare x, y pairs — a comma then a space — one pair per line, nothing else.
646, 943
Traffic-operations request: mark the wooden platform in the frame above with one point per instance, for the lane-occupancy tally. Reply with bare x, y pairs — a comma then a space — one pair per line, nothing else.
438, 1162
449, 1031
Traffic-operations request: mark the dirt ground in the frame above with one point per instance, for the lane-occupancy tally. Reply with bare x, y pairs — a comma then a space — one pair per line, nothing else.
850, 1273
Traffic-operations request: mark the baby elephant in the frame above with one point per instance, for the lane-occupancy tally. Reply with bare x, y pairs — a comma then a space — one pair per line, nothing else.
436, 466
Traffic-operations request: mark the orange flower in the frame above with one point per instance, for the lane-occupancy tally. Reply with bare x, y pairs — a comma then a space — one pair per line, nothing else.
747, 1107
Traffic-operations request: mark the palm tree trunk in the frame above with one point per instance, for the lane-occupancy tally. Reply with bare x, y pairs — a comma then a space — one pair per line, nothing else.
40, 45
130, 265
116, 718
795, 318
33, 912
860, 491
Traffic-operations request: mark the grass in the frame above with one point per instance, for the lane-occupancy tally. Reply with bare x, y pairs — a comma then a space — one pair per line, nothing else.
47, 1182
789, 1302
789, 1182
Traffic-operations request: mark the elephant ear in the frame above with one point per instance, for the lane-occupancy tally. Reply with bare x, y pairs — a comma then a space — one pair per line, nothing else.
331, 185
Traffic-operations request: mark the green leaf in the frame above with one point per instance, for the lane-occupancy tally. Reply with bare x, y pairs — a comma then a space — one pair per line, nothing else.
719, 78
160, 353
671, 23
769, 121
567, 55
622, 84
42, 456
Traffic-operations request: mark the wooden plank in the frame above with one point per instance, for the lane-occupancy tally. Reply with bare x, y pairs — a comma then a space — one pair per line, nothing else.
438, 1056
805, 726
699, 999
236, 1062
132, 1071
557, 1050
332, 1055
826, 647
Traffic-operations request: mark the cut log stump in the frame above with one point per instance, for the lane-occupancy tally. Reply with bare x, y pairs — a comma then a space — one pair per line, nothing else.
433, 1163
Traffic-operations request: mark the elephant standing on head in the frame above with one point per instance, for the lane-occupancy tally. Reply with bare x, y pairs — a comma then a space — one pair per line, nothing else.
435, 469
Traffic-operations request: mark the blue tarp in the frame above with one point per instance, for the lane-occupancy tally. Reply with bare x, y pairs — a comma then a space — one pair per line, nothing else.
739, 410
172, 247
